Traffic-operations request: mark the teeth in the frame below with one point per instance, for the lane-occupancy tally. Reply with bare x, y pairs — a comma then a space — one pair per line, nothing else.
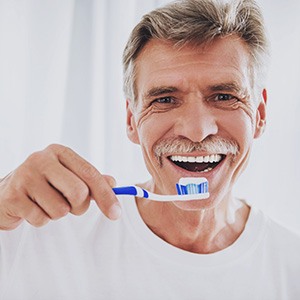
191, 159
199, 159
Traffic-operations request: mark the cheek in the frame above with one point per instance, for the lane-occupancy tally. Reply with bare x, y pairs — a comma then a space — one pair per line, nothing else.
153, 126
152, 130
248, 109
240, 127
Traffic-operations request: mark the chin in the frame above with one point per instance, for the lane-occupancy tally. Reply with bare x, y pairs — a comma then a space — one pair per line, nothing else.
195, 205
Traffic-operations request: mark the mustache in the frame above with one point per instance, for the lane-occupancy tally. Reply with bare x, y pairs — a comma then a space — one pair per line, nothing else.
181, 145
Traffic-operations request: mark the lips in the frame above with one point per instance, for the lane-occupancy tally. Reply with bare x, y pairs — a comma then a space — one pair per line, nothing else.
199, 164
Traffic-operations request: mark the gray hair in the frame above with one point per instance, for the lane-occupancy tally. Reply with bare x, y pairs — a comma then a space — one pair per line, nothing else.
197, 22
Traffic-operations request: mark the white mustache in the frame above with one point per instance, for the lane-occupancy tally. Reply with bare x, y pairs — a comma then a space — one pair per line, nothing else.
182, 145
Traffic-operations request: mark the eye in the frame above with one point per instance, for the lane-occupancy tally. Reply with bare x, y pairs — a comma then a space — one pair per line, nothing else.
164, 100
225, 97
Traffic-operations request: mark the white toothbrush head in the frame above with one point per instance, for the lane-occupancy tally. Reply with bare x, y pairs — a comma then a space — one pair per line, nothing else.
192, 185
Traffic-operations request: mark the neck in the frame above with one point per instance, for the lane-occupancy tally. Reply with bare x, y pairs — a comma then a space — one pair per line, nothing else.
201, 231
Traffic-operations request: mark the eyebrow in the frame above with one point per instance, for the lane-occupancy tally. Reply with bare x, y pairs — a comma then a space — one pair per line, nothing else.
228, 86
160, 90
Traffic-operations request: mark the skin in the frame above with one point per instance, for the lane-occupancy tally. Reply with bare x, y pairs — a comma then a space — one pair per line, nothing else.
195, 93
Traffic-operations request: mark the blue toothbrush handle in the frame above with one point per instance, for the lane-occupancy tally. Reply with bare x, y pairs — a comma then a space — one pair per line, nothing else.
125, 190
131, 190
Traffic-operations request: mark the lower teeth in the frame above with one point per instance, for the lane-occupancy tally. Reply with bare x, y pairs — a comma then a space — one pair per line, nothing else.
206, 170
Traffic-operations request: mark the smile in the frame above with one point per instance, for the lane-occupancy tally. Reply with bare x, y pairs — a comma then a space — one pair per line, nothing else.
197, 163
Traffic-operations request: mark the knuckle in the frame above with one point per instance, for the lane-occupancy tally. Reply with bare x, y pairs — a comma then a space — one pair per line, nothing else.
10, 226
63, 151
10, 198
78, 211
21, 179
55, 148
25, 180
38, 220
60, 151
8, 221
60, 211
89, 172
78, 195
35, 162
110, 180
34, 159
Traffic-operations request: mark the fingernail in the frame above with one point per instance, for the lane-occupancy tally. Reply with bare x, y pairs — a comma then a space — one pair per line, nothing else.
115, 212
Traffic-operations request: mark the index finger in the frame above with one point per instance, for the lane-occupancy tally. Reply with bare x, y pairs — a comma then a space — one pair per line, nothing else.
99, 187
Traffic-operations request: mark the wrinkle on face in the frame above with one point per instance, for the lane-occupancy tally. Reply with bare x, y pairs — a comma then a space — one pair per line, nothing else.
145, 113
247, 106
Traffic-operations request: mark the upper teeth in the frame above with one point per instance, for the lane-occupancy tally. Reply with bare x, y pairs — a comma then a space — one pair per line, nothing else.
198, 159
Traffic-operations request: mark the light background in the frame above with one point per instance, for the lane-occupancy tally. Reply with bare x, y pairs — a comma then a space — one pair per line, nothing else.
61, 82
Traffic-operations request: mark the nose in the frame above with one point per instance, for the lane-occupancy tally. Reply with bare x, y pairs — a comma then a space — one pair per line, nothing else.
196, 121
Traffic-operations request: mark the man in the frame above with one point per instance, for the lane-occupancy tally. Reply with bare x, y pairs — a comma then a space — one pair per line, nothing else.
196, 100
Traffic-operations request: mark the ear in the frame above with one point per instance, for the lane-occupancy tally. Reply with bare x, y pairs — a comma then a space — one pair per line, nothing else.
131, 128
261, 115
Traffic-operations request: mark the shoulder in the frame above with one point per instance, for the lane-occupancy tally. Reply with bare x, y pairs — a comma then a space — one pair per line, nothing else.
282, 234
283, 246
275, 240
282, 237
273, 231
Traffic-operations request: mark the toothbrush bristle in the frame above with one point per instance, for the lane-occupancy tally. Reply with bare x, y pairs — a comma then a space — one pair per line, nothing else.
197, 186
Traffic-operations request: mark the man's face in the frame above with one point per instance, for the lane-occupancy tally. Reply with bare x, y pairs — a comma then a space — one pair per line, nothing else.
195, 115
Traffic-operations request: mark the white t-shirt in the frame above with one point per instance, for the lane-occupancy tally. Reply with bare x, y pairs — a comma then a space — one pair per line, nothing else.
91, 257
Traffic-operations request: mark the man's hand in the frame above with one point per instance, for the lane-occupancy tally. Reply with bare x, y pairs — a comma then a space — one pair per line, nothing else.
50, 184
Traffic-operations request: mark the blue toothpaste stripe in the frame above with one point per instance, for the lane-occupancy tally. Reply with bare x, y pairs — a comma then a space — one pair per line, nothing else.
192, 188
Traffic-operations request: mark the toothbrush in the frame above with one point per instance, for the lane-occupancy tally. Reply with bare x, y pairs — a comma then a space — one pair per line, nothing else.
188, 188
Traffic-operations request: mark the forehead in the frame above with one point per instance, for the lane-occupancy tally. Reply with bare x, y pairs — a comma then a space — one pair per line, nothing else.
161, 63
